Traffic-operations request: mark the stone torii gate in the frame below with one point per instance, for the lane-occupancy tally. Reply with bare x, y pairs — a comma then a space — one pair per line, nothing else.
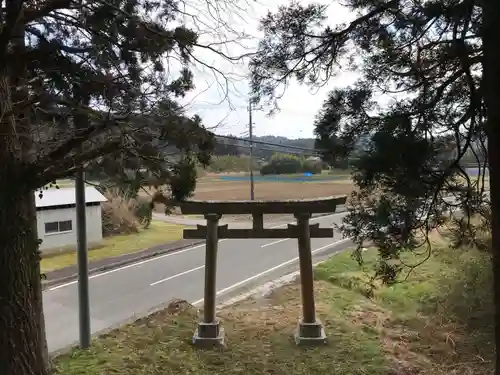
310, 330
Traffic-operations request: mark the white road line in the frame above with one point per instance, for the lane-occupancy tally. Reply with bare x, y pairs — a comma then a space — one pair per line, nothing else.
282, 225
132, 265
275, 242
164, 256
177, 275
312, 219
242, 282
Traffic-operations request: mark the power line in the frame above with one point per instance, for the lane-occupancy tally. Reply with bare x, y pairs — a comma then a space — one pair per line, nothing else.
246, 147
269, 143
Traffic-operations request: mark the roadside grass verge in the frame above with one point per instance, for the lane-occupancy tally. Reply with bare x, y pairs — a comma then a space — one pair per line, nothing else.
157, 234
258, 342
437, 322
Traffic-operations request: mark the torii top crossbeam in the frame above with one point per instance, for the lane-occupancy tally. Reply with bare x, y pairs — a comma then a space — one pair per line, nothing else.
312, 206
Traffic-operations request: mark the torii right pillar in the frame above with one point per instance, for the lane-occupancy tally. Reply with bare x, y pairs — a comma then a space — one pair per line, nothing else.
309, 331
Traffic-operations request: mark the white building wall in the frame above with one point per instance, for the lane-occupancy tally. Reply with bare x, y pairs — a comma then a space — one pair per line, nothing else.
54, 240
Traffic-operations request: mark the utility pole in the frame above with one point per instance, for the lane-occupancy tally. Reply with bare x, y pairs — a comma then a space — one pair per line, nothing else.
250, 133
81, 121
82, 260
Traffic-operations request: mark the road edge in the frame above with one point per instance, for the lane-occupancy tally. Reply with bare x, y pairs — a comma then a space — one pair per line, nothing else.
141, 255
261, 289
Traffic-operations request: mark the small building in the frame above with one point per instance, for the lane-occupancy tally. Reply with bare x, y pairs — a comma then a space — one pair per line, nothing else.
56, 216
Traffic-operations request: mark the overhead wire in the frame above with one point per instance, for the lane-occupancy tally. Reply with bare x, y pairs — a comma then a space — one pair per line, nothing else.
298, 148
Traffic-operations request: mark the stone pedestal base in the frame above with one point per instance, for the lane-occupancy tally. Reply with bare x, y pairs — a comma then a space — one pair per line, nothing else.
310, 334
208, 335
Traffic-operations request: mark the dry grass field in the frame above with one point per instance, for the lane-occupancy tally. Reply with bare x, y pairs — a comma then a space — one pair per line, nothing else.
214, 189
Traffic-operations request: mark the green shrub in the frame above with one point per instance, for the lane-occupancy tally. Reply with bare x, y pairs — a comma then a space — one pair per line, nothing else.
282, 167
466, 296
312, 167
144, 211
290, 164
267, 169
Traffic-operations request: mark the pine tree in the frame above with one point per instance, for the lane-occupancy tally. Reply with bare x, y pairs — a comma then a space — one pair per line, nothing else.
438, 61
82, 82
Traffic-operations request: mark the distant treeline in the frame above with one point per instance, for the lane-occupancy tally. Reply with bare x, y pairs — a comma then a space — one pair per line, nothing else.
278, 164
228, 163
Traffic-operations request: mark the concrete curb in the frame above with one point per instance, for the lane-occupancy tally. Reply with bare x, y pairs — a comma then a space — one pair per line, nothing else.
120, 263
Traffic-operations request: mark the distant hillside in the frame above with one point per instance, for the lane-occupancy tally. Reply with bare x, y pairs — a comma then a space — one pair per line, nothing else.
299, 142
270, 145
285, 145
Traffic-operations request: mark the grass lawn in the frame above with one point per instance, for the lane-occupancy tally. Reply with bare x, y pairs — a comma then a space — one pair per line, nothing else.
437, 322
158, 233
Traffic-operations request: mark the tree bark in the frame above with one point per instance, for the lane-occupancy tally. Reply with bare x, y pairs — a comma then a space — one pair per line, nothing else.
22, 346
491, 90
21, 341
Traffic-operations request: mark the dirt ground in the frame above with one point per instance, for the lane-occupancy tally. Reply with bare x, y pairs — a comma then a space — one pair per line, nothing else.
240, 190
215, 189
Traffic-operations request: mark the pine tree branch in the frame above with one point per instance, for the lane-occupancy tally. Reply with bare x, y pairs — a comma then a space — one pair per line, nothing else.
55, 44
270, 66
77, 138
66, 167
33, 14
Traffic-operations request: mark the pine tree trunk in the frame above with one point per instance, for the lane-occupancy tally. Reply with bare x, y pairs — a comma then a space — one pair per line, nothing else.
491, 87
22, 346
21, 341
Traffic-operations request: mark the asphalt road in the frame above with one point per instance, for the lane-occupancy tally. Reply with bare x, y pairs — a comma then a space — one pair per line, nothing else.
134, 290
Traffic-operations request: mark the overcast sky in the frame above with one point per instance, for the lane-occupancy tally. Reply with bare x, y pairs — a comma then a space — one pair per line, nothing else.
223, 103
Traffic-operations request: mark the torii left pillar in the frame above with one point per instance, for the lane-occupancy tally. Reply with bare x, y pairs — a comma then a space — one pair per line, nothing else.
209, 332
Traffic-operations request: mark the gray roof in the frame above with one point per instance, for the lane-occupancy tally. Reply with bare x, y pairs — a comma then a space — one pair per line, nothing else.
53, 197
